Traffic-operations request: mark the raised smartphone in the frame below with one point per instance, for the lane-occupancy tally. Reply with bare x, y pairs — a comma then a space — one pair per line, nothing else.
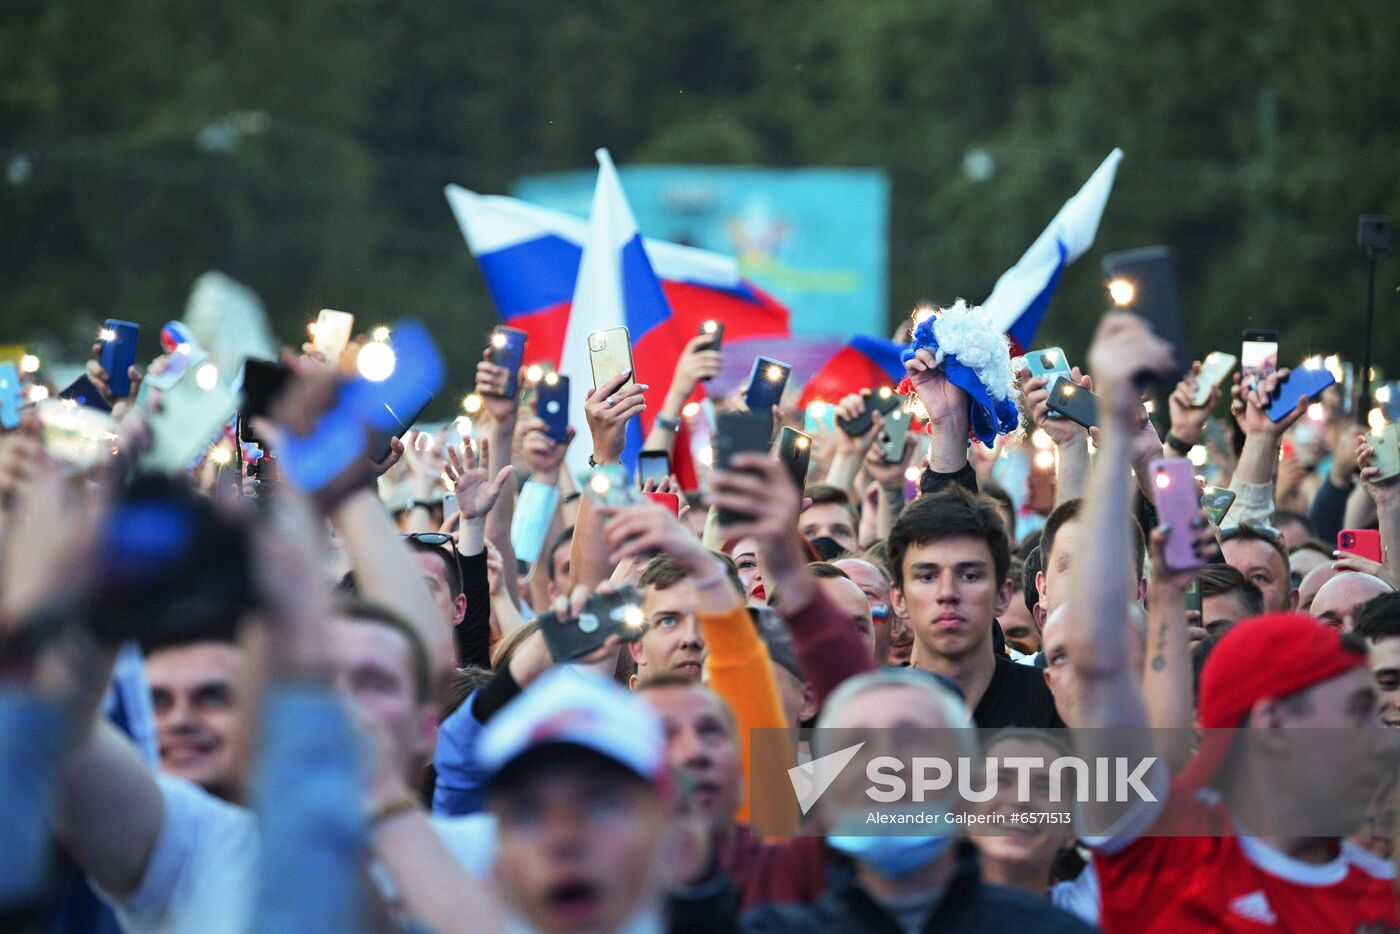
795, 451
672, 502
1301, 383
552, 406
767, 380
10, 399
1214, 369
715, 331
332, 333
1174, 494
610, 355
1387, 448
653, 465
604, 615
81, 391
1258, 356
263, 380
739, 433
118, 339
508, 350
895, 436
1154, 295
1216, 501
1074, 402
883, 400
609, 485
1363, 542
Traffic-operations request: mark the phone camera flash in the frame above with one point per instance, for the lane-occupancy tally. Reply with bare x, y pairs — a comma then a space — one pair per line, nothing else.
1122, 292
775, 373
599, 484
206, 377
376, 362
551, 379
472, 404
380, 334
633, 616
106, 334
709, 327
534, 372
29, 363
803, 443
1163, 480
498, 339
1069, 389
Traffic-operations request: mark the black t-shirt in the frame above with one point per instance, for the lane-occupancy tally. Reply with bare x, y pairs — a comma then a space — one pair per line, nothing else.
1017, 696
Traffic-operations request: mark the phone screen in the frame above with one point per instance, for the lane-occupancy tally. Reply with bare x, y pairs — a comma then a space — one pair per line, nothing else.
653, 465
1258, 357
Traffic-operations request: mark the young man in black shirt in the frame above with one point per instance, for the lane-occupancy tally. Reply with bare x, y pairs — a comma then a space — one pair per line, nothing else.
949, 557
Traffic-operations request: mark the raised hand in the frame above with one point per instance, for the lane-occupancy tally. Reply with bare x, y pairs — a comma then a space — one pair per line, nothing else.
1384, 492
760, 490
101, 380
1163, 578
643, 529
1250, 406
1035, 396
476, 491
1125, 347
542, 453
1189, 420
696, 363
608, 409
492, 380
946, 404
423, 453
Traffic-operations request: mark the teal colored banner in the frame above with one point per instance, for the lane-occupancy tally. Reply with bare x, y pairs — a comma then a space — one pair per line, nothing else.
815, 239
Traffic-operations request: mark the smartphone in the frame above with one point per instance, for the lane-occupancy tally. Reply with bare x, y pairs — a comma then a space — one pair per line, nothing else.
895, 435
1348, 388
81, 391
1301, 383
883, 400
1214, 369
1074, 402
715, 331
1258, 356
508, 350
10, 399
1387, 448
174, 366
672, 502
552, 406
1216, 501
1050, 362
610, 355
1174, 494
604, 615
191, 416
1363, 542
75, 434
263, 381
795, 451
1193, 596
820, 416
1154, 296
609, 485
767, 380
739, 433
653, 465
118, 340
332, 333
403, 420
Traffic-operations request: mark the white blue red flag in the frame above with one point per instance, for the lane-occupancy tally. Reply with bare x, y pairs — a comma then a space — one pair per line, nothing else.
1019, 299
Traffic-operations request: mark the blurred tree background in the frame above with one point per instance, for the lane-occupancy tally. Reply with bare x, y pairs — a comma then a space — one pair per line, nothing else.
302, 147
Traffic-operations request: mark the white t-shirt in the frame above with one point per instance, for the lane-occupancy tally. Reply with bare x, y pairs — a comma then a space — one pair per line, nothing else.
202, 874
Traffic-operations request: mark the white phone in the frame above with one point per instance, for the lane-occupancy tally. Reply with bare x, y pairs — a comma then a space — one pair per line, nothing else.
1214, 369
332, 334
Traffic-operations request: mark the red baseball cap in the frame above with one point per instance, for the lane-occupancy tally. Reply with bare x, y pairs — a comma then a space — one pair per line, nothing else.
1262, 657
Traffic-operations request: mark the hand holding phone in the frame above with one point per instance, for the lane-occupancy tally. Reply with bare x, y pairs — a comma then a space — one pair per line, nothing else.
552, 406
653, 465
604, 615
1258, 356
715, 331
508, 350
610, 356
1174, 493
1386, 456
883, 400
1300, 383
1216, 501
1365, 543
767, 380
1143, 281
795, 451
118, 340
739, 433
1214, 369
331, 334
1074, 402
895, 436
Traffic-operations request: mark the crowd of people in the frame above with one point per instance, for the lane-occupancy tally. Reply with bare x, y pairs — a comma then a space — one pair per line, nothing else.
232, 704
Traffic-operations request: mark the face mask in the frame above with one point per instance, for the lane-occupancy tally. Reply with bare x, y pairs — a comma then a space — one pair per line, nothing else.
893, 856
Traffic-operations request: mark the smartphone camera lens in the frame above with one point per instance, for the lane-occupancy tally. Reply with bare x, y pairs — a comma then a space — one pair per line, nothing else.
1348, 541
1047, 360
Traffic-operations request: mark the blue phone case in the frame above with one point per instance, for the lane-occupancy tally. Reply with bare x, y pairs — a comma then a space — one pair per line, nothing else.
10, 400
119, 354
1300, 383
511, 356
552, 405
83, 392
764, 393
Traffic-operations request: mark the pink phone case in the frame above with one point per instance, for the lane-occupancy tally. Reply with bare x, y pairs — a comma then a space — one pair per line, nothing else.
1178, 504
1363, 542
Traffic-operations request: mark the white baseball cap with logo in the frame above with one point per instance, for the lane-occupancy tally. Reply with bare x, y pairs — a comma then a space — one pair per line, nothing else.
577, 708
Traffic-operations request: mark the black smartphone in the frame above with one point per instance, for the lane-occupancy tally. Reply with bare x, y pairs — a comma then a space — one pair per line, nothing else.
895, 436
1193, 596
403, 422
604, 615
653, 465
715, 331
552, 405
508, 350
1143, 281
263, 381
795, 450
739, 433
767, 380
83, 392
883, 400
1074, 402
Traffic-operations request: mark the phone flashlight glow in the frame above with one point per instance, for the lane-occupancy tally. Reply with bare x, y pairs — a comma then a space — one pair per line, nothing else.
775, 373
106, 334
709, 327
1122, 292
633, 616
599, 483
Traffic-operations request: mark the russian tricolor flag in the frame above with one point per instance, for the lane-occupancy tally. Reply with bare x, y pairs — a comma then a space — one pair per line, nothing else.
1022, 294
864, 363
530, 257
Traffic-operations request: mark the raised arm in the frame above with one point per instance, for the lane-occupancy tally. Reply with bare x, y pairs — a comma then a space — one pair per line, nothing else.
1253, 482
608, 409
1071, 440
696, 363
500, 412
477, 492
1386, 495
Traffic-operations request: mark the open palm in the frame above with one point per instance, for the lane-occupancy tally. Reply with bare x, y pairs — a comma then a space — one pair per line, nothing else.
476, 491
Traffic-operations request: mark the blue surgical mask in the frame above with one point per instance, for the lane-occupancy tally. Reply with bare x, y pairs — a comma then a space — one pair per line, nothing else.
892, 856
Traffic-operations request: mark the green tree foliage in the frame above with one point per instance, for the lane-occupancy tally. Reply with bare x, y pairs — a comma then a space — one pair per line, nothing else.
302, 147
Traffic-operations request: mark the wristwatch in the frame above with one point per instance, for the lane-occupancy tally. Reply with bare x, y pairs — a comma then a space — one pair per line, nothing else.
1177, 445
669, 423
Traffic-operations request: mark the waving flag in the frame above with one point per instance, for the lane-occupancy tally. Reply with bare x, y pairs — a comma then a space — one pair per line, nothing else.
530, 258
1019, 299
864, 363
